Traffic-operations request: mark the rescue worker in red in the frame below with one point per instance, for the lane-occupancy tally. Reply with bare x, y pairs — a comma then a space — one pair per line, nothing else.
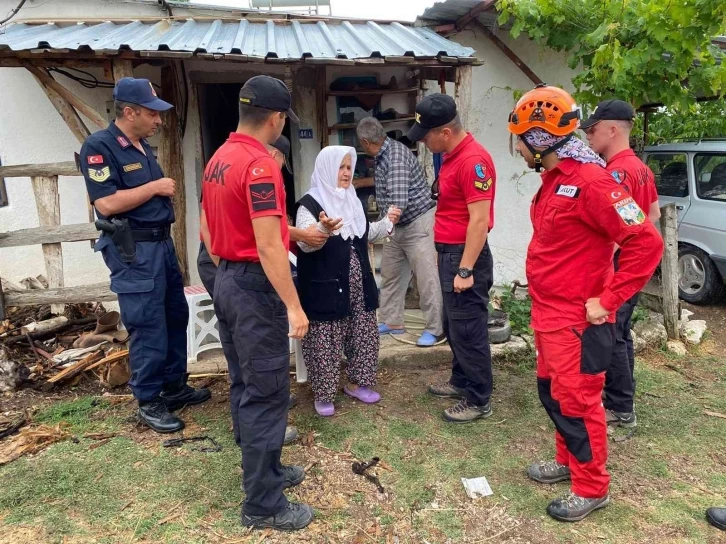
578, 214
608, 132
464, 216
255, 299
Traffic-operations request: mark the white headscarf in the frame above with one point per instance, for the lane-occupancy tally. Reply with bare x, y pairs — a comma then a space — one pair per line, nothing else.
336, 201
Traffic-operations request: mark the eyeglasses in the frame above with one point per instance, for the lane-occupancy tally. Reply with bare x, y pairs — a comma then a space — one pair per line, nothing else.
435, 189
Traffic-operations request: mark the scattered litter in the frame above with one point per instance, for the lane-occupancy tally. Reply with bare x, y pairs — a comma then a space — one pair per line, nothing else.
177, 443
32, 440
361, 468
12, 428
71, 355
477, 487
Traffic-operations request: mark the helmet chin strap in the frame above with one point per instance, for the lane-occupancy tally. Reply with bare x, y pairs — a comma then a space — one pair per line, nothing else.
539, 155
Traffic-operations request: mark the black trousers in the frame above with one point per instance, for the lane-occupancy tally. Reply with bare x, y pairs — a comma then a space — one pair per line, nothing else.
207, 269
620, 376
253, 328
465, 319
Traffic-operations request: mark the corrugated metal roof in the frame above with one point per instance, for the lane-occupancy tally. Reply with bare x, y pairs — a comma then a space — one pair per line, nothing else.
449, 11
284, 40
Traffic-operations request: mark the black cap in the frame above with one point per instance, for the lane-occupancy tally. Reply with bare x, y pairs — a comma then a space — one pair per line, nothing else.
269, 93
140, 92
282, 144
609, 110
434, 111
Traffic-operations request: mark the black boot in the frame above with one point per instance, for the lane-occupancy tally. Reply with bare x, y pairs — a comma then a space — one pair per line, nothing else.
156, 415
178, 394
294, 517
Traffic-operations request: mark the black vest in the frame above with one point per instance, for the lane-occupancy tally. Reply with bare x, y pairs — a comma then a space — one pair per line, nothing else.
323, 276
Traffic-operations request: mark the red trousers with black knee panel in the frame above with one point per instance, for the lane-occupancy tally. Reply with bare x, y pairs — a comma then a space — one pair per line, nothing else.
571, 365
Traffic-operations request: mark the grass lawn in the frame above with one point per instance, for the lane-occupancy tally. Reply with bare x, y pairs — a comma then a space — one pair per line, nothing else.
130, 489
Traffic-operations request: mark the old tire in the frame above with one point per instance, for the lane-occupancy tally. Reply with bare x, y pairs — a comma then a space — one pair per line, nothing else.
499, 327
699, 281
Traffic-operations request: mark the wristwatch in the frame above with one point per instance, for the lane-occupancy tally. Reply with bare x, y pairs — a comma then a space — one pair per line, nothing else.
465, 272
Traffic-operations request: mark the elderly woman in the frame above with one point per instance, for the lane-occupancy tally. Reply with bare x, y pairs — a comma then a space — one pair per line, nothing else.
337, 288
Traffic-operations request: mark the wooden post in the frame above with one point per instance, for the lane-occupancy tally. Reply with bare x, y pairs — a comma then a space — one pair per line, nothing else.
47, 202
321, 90
122, 68
669, 269
2, 302
462, 93
171, 160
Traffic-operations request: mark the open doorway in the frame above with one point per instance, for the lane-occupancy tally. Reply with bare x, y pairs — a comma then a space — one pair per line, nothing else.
219, 115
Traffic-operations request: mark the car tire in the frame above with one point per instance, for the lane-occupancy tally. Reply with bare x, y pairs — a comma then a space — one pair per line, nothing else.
499, 327
699, 281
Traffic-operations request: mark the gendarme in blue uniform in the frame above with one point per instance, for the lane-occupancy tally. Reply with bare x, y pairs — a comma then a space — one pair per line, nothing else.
150, 289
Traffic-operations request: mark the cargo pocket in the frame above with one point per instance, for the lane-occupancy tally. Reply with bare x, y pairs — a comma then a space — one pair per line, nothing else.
577, 394
133, 300
269, 375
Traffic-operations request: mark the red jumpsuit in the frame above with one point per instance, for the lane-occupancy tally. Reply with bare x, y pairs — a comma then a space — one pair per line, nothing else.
578, 214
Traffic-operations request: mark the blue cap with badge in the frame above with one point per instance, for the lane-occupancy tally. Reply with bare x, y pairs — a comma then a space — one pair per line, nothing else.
140, 92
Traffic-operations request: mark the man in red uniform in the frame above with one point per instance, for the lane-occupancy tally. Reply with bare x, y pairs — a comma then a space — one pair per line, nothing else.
608, 132
464, 217
255, 299
578, 214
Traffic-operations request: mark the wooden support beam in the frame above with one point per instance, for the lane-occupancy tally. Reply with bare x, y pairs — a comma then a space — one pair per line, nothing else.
321, 86
66, 168
47, 201
462, 93
122, 68
511, 55
669, 269
171, 160
473, 13
98, 292
49, 235
67, 112
95, 117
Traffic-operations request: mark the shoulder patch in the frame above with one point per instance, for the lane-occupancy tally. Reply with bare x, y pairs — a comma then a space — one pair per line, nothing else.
618, 175
123, 142
132, 167
483, 185
616, 195
262, 196
629, 212
95, 159
571, 191
99, 175
260, 171
480, 170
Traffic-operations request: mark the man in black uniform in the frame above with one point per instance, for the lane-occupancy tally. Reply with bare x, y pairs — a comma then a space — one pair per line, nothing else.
132, 199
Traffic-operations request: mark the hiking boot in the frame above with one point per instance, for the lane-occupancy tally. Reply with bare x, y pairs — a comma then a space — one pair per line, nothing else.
291, 435
548, 472
572, 507
178, 394
156, 415
294, 517
446, 391
620, 419
294, 475
717, 517
292, 402
464, 412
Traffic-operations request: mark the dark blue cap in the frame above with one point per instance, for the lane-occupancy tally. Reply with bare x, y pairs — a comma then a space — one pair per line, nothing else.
140, 92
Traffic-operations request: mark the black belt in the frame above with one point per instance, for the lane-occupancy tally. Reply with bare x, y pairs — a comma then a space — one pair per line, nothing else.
151, 235
249, 266
450, 248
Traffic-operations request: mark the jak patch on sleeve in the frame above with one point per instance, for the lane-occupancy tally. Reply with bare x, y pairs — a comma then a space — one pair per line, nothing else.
262, 196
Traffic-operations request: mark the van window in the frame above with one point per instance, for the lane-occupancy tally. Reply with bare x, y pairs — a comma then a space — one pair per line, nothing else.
710, 175
671, 173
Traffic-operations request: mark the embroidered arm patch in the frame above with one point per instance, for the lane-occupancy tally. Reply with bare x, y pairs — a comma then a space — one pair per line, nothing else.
262, 196
99, 175
629, 211
483, 182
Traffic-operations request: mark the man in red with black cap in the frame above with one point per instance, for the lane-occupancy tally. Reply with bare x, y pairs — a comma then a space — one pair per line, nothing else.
255, 299
464, 217
578, 214
608, 132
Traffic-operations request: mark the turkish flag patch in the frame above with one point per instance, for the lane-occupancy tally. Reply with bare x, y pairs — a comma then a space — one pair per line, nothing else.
262, 171
95, 159
616, 195
262, 196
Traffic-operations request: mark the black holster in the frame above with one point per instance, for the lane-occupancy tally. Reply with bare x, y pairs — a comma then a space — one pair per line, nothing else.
121, 236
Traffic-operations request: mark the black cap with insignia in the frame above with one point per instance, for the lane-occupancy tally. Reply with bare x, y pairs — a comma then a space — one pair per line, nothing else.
434, 111
609, 110
269, 93
282, 144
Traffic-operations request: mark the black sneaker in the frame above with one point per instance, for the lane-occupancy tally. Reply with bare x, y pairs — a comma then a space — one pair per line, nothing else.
294, 517
157, 416
294, 475
465, 412
621, 419
178, 394
575, 508
291, 435
292, 402
717, 517
548, 472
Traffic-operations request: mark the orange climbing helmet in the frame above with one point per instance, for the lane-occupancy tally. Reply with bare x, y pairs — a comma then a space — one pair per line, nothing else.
548, 108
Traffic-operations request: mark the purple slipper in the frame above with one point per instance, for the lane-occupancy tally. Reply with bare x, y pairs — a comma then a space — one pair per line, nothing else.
325, 409
363, 394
